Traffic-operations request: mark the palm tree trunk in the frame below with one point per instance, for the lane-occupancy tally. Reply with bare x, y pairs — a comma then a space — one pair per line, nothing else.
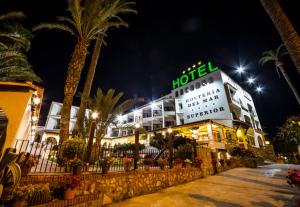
285, 28
73, 77
288, 80
88, 84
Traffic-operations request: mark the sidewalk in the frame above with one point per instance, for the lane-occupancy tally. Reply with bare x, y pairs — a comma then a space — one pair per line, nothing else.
261, 187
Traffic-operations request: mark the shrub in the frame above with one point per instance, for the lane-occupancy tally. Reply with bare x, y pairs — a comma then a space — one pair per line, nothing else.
185, 151
69, 150
241, 152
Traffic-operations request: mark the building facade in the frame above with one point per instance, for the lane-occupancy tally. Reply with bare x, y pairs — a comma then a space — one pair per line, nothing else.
204, 104
20, 104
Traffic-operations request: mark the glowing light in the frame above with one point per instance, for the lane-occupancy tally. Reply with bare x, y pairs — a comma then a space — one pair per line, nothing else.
137, 125
189, 69
94, 115
267, 142
135, 111
199, 63
259, 89
183, 72
194, 66
34, 118
153, 105
36, 100
251, 80
120, 118
170, 130
240, 69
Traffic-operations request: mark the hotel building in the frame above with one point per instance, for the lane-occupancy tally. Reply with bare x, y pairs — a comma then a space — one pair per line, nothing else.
204, 104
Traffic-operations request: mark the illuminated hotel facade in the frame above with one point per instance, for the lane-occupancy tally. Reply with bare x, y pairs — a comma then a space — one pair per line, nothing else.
205, 104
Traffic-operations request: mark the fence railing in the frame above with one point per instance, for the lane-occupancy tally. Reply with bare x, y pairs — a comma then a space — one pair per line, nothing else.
53, 158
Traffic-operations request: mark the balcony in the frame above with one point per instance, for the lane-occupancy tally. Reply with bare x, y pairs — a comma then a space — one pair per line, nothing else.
147, 115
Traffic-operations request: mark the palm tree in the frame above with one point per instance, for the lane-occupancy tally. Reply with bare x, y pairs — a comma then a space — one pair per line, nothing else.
113, 10
88, 20
14, 41
12, 33
276, 58
285, 28
15, 67
108, 107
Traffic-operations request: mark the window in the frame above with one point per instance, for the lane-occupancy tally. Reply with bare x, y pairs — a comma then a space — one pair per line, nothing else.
186, 89
247, 120
181, 91
251, 140
180, 105
192, 87
197, 85
176, 94
181, 121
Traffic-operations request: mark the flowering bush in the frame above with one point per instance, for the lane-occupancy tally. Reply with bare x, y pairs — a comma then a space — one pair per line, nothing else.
22, 192
76, 162
198, 161
127, 160
293, 178
71, 182
27, 160
106, 162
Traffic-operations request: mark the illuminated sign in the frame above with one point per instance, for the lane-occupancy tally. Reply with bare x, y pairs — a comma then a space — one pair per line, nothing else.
193, 74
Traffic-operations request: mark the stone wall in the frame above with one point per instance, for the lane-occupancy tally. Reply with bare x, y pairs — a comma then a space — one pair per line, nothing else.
119, 186
92, 200
206, 155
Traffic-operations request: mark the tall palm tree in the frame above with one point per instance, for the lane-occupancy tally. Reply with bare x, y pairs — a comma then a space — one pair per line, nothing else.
288, 34
113, 11
87, 21
276, 58
107, 106
14, 41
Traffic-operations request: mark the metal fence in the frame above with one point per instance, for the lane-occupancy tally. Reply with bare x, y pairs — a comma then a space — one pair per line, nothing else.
53, 158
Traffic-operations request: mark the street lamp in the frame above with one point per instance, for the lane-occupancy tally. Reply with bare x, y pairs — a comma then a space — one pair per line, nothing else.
170, 146
91, 137
136, 145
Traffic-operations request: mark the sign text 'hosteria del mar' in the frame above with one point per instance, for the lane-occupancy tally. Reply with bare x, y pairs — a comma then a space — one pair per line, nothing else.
194, 73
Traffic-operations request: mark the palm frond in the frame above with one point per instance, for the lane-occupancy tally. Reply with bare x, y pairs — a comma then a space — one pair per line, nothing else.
58, 26
263, 60
12, 15
281, 51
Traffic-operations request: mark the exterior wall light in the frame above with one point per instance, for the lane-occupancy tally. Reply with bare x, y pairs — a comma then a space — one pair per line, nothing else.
94, 115
36, 100
170, 130
34, 118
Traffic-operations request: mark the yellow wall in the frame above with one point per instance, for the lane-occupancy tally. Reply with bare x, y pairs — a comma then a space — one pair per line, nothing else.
14, 105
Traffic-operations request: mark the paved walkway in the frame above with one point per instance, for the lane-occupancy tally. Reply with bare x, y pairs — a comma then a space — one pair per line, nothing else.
261, 187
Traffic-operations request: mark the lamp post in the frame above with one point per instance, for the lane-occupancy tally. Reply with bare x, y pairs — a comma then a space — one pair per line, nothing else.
136, 145
91, 137
170, 147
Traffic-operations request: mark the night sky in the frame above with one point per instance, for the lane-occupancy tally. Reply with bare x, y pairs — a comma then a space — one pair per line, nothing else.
164, 38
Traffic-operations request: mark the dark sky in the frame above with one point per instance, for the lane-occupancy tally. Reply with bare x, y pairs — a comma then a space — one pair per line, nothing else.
164, 38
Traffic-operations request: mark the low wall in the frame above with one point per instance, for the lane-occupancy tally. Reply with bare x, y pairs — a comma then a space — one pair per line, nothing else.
119, 186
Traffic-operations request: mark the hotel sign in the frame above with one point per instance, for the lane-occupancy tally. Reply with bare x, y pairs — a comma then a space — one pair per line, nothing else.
194, 73
209, 101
